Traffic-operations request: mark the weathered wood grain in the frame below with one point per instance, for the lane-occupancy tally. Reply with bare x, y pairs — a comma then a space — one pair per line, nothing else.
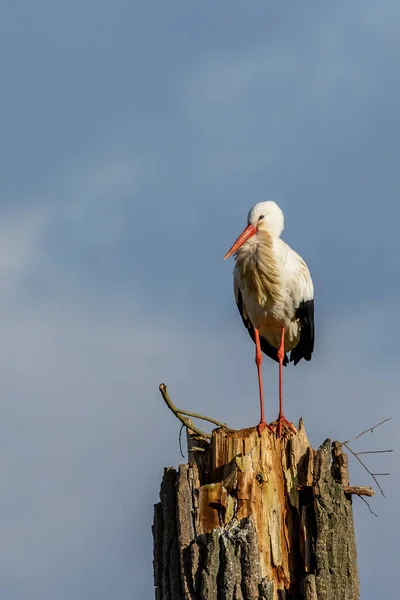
256, 518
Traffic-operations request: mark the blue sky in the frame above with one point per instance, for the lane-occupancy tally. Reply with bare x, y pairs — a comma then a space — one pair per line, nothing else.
134, 139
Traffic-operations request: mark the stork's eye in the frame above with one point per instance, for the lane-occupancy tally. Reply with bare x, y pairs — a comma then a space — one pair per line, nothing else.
260, 217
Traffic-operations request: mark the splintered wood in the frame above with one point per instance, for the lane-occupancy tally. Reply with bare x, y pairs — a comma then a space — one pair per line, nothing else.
256, 518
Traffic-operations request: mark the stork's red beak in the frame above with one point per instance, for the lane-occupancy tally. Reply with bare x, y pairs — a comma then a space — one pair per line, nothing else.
243, 237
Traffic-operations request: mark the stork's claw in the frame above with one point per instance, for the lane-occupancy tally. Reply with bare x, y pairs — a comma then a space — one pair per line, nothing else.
280, 423
261, 426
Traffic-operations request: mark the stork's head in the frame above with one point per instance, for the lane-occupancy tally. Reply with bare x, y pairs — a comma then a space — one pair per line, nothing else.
264, 216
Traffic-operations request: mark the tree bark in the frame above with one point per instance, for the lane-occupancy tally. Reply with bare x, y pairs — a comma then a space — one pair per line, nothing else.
256, 518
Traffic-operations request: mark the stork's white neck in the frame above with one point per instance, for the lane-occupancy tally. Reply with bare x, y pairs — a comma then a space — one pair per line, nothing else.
258, 267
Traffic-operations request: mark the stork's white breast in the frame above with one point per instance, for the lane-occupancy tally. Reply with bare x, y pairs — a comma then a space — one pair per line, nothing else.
269, 316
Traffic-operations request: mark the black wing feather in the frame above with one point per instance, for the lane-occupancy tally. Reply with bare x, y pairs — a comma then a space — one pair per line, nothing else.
305, 347
266, 347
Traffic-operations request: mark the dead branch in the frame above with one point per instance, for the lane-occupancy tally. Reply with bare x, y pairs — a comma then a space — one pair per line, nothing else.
178, 413
182, 414
359, 490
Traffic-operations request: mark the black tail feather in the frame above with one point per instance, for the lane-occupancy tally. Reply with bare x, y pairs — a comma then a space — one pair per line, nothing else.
305, 347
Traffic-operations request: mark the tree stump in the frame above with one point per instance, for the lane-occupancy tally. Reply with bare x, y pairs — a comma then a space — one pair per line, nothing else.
256, 518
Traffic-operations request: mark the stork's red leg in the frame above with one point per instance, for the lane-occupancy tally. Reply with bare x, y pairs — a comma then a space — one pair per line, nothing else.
262, 424
281, 418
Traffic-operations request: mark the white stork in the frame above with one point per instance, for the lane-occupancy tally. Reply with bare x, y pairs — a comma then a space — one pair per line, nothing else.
275, 296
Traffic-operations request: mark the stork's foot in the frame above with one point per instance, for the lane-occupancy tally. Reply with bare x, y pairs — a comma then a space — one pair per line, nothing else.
262, 425
282, 423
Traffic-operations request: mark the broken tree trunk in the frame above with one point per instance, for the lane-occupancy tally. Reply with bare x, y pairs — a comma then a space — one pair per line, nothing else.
256, 518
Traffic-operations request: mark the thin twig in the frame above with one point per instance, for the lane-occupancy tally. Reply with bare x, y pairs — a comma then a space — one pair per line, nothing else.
177, 413
380, 474
356, 455
365, 467
369, 508
367, 430
180, 440
374, 452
